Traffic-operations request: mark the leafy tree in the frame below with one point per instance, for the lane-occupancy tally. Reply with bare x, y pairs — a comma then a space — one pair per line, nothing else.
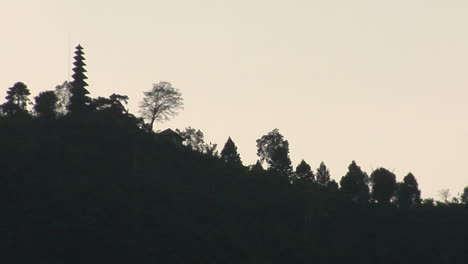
114, 104
428, 202
160, 103
17, 99
119, 101
274, 149
195, 139
79, 101
355, 184
464, 196
303, 174
384, 185
210, 149
63, 93
408, 193
46, 104
281, 161
229, 153
9, 108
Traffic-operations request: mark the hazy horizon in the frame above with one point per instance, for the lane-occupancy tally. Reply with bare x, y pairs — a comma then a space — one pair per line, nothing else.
381, 83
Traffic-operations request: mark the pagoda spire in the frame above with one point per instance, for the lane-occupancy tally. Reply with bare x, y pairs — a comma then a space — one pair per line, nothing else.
78, 99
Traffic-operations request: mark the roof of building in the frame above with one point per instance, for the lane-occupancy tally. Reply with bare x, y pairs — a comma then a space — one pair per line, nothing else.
169, 133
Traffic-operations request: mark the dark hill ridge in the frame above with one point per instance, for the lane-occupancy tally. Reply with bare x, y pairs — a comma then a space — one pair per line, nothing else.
102, 189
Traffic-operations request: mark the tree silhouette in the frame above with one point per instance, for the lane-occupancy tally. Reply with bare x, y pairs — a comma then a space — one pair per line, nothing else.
63, 93
464, 196
408, 193
17, 99
303, 175
355, 183
332, 186
79, 100
323, 175
46, 104
428, 202
229, 153
115, 104
160, 103
211, 149
323, 178
384, 185
274, 149
445, 194
257, 169
193, 138
281, 161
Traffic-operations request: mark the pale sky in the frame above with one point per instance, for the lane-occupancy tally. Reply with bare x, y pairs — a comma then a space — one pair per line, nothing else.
384, 83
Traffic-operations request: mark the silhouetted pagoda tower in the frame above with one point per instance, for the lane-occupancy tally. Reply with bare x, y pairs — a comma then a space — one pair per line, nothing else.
78, 100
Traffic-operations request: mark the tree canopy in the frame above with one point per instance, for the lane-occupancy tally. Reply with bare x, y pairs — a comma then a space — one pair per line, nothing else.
195, 139
464, 196
408, 193
160, 103
46, 104
229, 153
17, 99
303, 175
355, 183
384, 185
274, 149
323, 175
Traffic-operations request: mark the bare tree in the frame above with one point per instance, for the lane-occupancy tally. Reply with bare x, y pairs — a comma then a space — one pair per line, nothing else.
445, 194
160, 103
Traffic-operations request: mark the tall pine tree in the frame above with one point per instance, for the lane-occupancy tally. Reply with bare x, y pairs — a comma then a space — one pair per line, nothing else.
79, 101
323, 175
229, 153
323, 179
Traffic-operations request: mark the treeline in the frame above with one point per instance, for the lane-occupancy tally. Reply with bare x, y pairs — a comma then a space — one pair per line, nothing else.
381, 186
84, 180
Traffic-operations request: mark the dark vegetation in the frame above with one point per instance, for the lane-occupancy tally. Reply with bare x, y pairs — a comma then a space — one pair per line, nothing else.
92, 183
